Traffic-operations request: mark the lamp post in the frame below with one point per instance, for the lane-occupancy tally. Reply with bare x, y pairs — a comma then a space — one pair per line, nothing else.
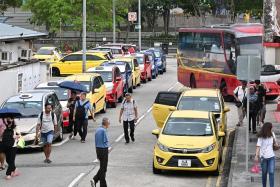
139, 24
84, 35
114, 21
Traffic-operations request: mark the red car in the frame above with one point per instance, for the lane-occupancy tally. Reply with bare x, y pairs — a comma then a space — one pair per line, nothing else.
145, 67
113, 81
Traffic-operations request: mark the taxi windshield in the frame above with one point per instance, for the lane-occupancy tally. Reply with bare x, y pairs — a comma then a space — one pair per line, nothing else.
199, 103
188, 127
107, 76
26, 108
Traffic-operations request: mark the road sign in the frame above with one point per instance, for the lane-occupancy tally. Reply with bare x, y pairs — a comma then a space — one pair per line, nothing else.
132, 16
248, 68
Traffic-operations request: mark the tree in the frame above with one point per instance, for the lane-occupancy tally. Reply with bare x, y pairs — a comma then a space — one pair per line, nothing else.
4, 4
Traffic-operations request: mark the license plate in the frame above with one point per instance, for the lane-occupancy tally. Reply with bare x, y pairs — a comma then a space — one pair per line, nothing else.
184, 163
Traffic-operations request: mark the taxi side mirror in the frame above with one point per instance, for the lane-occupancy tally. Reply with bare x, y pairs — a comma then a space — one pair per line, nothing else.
221, 134
156, 132
227, 109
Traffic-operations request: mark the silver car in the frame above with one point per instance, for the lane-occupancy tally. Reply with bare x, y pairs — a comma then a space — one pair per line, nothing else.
30, 105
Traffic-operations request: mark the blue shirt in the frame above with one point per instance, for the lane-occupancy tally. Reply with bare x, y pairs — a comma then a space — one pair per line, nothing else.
87, 106
101, 138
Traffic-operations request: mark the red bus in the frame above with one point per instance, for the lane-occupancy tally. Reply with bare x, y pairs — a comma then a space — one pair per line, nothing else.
207, 56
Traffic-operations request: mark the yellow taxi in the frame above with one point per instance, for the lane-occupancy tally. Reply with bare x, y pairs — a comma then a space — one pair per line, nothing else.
48, 54
200, 99
188, 140
96, 89
136, 72
73, 63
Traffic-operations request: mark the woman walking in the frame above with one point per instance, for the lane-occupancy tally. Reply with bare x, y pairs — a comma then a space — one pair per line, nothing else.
264, 152
9, 146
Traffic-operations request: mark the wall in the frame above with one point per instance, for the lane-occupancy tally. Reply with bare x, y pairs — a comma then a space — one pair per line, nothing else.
22, 78
15, 47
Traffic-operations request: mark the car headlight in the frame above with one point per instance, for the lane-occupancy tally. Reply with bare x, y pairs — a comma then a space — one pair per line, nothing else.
162, 147
209, 148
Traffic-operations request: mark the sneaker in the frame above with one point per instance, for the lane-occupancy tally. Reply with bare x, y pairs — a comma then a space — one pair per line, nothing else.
8, 177
46, 161
126, 142
254, 132
93, 183
70, 136
15, 173
49, 161
133, 139
83, 141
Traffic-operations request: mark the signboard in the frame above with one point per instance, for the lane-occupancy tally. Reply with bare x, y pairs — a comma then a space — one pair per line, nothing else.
248, 68
132, 16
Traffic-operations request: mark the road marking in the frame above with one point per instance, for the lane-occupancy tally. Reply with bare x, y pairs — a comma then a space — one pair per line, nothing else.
172, 86
74, 182
218, 183
209, 181
62, 142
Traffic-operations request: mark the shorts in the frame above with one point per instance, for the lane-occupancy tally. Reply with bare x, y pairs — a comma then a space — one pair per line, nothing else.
47, 138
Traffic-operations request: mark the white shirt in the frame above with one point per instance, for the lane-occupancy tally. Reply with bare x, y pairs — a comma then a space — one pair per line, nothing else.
47, 122
240, 93
129, 110
266, 147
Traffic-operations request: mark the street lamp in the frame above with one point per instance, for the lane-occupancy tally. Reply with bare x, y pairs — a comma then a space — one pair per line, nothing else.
139, 24
114, 21
84, 35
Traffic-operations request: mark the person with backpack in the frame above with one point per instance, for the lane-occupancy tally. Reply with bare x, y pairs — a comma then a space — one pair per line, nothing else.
239, 94
72, 128
265, 148
253, 108
261, 92
80, 116
47, 125
129, 115
10, 137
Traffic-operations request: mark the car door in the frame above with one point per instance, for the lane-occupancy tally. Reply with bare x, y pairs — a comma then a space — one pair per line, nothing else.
165, 103
71, 64
216, 130
94, 61
102, 92
97, 94
118, 81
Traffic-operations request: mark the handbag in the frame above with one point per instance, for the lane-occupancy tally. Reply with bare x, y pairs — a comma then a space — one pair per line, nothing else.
21, 143
276, 147
255, 168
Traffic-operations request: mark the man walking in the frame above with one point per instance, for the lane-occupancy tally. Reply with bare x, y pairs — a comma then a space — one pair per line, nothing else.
239, 94
261, 92
47, 124
101, 144
72, 128
80, 116
129, 115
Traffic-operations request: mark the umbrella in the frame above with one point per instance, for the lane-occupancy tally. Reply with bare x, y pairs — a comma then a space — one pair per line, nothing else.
71, 85
9, 112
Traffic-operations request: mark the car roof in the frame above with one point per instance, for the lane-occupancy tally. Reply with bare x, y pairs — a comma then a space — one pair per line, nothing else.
202, 92
190, 114
120, 66
37, 95
125, 59
101, 68
82, 76
51, 48
108, 47
89, 53
49, 84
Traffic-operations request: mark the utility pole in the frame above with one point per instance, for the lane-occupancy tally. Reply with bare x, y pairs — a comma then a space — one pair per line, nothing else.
114, 21
139, 24
84, 35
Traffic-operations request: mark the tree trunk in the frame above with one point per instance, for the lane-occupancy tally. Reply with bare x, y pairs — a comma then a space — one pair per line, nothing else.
166, 17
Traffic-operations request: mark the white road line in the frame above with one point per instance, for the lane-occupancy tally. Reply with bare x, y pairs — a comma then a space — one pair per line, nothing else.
172, 86
74, 182
61, 143
119, 138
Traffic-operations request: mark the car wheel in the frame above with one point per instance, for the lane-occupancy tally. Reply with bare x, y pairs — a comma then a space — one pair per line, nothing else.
155, 170
114, 104
134, 84
154, 76
104, 107
139, 84
120, 99
60, 136
217, 171
55, 72
150, 78
271, 97
130, 90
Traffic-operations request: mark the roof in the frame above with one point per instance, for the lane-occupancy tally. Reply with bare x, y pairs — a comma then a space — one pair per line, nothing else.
82, 76
190, 114
50, 47
202, 92
101, 68
49, 84
37, 95
9, 32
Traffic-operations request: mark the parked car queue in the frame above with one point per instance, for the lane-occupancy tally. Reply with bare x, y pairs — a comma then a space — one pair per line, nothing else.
107, 80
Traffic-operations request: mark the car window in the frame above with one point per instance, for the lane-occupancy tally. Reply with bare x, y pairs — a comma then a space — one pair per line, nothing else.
94, 57
188, 127
44, 52
106, 76
167, 98
199, 103
96, 83
26, 108
73, 57
140, 60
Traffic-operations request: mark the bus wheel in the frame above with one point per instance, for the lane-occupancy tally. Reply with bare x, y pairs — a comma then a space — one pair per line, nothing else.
192, 82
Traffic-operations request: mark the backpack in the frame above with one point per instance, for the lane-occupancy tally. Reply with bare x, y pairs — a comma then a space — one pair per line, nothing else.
81, 111
41, 118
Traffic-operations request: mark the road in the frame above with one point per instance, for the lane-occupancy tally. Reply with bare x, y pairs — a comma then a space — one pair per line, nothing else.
129, 165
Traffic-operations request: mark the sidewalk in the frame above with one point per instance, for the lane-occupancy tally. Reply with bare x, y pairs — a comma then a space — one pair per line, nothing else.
238, 177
